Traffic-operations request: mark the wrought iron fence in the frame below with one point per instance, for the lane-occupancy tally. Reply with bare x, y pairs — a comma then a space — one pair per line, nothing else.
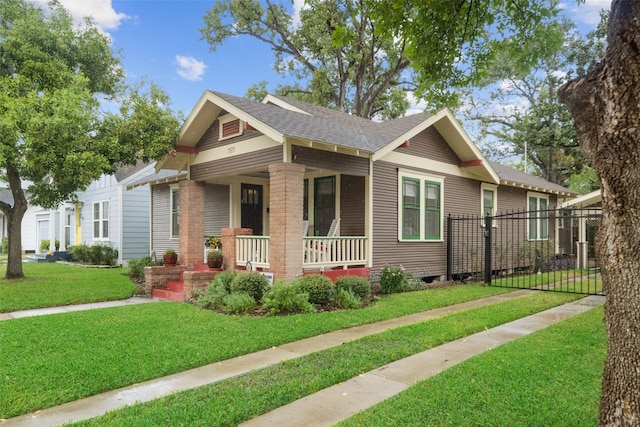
544, 249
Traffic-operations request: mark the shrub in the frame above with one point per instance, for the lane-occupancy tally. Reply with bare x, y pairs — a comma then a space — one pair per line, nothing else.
5, 245
392, 280
359, 286
319, 288
44, 245
284, 298
253, 283
136, 267
212, 297
95, 255
345, 298
238, 303
225, 278
412, 284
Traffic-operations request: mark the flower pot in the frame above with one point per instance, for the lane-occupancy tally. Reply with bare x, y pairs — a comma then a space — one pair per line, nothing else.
170, 260
214, 262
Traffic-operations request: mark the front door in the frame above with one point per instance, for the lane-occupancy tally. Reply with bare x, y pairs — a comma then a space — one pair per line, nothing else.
325, 204
251, 208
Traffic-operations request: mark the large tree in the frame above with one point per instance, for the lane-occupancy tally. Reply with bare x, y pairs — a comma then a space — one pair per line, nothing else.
335, 53
605, 105
606, 112
523, 116
54, 136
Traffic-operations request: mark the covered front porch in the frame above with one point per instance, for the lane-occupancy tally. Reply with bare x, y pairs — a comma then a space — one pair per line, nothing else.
288, 220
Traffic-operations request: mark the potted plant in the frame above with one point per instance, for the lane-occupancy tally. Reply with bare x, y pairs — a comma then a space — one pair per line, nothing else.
170, 258
214, 259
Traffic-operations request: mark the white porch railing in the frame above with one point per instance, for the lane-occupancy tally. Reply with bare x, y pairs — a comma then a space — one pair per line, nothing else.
317, 251
254, 249
334, 251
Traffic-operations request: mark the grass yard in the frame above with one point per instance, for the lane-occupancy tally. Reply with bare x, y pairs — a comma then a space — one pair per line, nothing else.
51, 284
49, 360
549, 378
238, 399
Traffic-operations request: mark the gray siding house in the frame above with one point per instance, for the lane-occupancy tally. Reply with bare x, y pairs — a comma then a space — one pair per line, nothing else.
274, 177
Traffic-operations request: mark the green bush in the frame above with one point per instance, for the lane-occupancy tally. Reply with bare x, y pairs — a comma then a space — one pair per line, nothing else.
347, 299
392, 280
284, 298
136, 267
5, 245
359, 286
253, 283
44, 245
238, 303
225, 278
212, 297
320, 289
94, 255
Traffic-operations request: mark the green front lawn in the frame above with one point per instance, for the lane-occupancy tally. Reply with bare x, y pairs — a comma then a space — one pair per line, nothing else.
51, 284
549, 378
235, 400
49, 360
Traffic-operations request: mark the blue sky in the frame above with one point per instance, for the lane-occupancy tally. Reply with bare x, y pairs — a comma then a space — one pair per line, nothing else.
159, 40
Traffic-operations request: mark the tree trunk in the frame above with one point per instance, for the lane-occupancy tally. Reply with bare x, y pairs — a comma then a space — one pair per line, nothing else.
606, 111
14, 216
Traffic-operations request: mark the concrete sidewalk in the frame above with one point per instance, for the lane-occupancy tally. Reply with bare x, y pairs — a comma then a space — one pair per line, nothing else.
330, 405
77, 307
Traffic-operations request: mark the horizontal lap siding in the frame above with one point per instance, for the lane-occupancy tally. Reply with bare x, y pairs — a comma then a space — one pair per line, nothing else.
237, 165
211, 137
216, 209
352, 205
135, 223
328, 160
430, 145
460, 196
160, 220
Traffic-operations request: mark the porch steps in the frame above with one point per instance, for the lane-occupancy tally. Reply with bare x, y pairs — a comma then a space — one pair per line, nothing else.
173, 292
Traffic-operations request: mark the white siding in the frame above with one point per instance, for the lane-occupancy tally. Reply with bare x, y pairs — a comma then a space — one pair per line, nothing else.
103, 189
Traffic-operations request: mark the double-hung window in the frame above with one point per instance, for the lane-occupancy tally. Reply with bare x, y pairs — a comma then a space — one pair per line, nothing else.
538, 223
488, 200
101, 220
420, 217
175, 211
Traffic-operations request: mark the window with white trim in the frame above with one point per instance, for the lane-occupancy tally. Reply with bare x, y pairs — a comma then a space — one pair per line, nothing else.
420, 200
230, 126
101, 220
488, 201
538, 223
174, 204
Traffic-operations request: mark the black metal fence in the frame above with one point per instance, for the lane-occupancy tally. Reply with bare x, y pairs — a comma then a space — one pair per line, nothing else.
544, 249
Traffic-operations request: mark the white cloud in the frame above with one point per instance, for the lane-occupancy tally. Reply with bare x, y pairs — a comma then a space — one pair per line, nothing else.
298, 5
585, 14
102, 12
190, 68
416, 105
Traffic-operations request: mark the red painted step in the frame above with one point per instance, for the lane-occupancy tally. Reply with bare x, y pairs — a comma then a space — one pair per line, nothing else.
174, 291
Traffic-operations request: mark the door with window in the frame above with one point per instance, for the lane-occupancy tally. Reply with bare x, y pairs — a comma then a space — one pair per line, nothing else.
251, 202
325, 204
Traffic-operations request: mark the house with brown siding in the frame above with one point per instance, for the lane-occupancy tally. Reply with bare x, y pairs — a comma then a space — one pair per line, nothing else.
258, 173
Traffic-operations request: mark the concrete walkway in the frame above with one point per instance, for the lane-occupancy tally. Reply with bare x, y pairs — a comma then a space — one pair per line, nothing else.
335, 403
76, 307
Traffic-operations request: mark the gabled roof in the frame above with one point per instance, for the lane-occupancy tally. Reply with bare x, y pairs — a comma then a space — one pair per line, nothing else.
513, 177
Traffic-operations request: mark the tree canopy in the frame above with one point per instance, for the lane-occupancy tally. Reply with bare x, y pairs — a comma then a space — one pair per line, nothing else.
522, 115
53, 132
335, 52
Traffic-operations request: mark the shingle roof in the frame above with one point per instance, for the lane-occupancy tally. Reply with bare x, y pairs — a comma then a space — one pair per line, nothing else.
325, 125
507, 173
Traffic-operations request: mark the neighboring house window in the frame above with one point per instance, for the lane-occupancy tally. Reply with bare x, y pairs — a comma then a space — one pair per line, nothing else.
538, 223
101, 220
229, 127
175, 212
488, 200
421, 207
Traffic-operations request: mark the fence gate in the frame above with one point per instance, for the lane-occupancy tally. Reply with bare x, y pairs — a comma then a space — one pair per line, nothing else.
546, 249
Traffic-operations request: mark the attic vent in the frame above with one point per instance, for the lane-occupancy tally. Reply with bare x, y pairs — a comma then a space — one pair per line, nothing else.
230, 127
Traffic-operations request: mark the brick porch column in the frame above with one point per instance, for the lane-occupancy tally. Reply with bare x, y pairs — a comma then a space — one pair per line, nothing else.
191, 247
229, 245
285, 219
